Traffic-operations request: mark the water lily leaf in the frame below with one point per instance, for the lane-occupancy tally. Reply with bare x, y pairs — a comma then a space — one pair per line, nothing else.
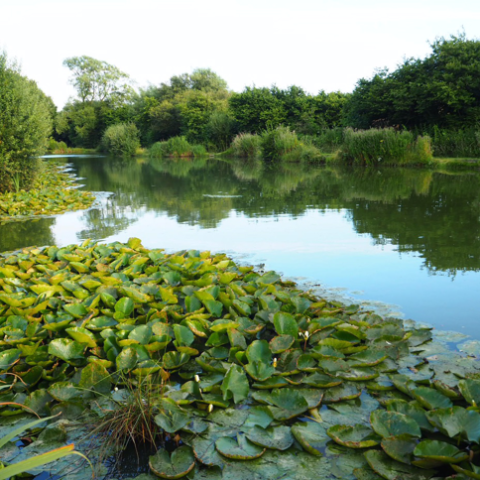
366, 473
400, 448
431, 398
470, 389
127, 359
390, 469
235, 384
95, 377
76, 310
268, 278
205, 451
124, 308
440, 451
259, 371
171, 418
340, 393
141, 334
359, 436
277, 438
66, 349
390, 424
312, 436
287, 403
176, 465
272, 382
367, 358
285, 324
259, 351
281, 343
260, 416
100, 323
8, 358
239, 448
319, 380
456, 421
173, 360
301, 304
183, 335
306, 363
360, 374
412, 410
82, 335
223, 325
322, 352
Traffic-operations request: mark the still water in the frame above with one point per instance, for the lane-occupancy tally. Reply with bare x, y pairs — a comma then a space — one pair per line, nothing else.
403, 237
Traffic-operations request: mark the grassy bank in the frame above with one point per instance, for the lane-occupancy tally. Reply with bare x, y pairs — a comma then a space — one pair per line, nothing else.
53, 192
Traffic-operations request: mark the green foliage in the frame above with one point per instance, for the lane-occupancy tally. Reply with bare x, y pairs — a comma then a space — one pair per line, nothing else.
26, 124
220, 130
246, 145
385, 146
464, 142
442, 89
122, 139
176, 147
96, 80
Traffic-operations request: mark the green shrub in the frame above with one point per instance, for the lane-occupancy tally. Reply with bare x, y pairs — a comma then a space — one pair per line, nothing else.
246, 145
328, 141
176, 147
121, 139
25, 126
220, 130
277, 142
385, 146
304, 153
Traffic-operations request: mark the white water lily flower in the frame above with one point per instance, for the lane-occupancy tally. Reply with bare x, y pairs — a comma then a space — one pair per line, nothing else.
210, 408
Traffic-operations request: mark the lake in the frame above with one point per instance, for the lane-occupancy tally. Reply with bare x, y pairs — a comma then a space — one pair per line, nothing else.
406, 241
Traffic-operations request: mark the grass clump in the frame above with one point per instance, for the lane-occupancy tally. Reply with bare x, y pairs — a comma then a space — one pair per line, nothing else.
176, 147
246, 145
121, 139
385, 146
456, 143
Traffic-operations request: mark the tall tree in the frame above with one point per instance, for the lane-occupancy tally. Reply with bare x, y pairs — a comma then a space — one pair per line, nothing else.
96, 80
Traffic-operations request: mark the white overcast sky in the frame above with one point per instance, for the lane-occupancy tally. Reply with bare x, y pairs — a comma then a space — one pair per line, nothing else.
316, 44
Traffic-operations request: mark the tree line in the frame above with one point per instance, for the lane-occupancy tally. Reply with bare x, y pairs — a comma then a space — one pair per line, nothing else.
438, 96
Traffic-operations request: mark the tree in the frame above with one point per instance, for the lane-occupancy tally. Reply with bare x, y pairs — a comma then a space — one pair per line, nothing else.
25, 125
96, 80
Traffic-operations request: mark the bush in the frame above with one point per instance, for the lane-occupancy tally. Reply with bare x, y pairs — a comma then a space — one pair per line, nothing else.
385, 146
122, 139
278, 142
304, 153
176, 147
246, 145
328, 141
220, 130
26, 124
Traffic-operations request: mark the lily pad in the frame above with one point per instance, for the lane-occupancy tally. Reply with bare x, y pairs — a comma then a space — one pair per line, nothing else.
390, 424
440, 451
176, 465
312, 437
358, 436
238, 449
277, 438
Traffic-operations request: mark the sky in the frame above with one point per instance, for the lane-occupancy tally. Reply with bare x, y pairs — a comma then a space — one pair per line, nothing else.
316, 44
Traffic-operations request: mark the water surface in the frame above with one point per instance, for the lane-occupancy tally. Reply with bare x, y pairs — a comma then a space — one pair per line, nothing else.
406, 237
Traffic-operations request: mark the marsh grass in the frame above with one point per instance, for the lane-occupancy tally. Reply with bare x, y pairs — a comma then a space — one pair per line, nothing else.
278, 142
246, 145
327, 141
132, 421
176, 147
456, 143
385, 146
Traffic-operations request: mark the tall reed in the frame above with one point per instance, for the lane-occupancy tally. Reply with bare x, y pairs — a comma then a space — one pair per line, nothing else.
385, 146
246, 145
277, 142
176, 147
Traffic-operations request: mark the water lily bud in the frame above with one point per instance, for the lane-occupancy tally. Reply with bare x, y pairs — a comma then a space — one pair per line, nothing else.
210, 408
275, 362
197, 378
306, 334
116, 389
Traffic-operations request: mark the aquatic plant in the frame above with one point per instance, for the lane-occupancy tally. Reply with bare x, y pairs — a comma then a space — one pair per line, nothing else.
382, 146
277, 142
53, 192
254, 376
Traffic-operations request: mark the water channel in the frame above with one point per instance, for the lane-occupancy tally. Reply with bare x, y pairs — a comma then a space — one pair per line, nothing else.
405, 238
